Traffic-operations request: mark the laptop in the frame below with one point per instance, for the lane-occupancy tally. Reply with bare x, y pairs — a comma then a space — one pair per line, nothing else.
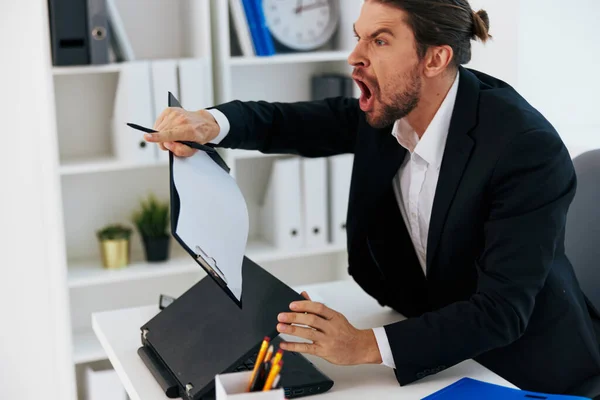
206, 332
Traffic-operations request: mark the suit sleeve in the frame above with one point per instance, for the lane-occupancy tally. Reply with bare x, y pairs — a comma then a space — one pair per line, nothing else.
310, 129
531, 189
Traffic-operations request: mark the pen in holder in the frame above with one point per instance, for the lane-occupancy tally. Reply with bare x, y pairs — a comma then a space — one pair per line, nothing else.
233, 386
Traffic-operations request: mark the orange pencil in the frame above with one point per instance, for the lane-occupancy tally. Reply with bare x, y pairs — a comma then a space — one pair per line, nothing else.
259, 360
274, 373
278, 356
269, 354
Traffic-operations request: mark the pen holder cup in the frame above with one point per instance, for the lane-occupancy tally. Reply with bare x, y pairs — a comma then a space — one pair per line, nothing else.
233, 387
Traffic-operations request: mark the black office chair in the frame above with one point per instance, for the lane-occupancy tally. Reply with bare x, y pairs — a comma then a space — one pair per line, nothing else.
582, 243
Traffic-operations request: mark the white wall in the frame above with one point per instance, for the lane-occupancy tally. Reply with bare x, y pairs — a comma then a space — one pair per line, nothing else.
498, 57
34, 339
549, 51
559, 63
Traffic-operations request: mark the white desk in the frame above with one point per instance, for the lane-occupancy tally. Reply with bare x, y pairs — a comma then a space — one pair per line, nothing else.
119, 334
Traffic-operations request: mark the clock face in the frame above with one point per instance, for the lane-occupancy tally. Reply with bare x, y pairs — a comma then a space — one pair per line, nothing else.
301, 24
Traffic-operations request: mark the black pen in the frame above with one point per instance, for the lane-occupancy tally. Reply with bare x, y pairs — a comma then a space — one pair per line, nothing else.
193, 145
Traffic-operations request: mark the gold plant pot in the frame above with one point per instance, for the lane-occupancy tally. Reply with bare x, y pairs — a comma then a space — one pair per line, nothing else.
115, 253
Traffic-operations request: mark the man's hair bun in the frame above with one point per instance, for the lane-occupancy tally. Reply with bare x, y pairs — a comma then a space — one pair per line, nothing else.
481, 25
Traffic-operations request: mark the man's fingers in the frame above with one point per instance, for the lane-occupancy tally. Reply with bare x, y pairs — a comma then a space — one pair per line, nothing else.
159, 121
306, 348
313, 308
305, 333
165, 117
311, 320
183, 132
181, 150
305, 295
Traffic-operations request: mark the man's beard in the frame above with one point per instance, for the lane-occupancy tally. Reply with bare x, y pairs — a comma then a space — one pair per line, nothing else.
401, 105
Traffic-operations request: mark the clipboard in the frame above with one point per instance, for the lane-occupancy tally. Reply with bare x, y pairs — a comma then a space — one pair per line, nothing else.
209, 262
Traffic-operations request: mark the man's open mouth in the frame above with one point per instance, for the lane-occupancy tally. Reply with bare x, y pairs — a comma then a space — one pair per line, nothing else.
366, 100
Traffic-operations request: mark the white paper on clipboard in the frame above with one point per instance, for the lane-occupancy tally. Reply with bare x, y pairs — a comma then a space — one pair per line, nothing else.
213, 216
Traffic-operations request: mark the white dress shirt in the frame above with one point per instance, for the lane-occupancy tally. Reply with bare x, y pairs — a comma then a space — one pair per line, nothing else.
414, 184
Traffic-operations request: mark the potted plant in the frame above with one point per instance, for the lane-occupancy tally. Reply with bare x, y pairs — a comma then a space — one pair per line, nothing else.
152, 222
115, 245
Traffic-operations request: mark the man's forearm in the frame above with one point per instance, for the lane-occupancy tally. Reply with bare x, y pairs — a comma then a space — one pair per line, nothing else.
311, 128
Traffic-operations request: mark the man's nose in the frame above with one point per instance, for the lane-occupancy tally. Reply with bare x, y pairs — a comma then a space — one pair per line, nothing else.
358, 58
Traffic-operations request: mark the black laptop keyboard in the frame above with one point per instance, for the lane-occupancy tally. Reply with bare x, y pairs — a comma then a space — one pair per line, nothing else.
247, 365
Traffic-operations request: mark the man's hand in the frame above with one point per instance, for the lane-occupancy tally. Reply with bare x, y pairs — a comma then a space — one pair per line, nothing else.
175, 124
333, 337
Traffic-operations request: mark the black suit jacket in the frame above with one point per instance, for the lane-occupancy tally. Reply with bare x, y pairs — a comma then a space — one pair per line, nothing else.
499, 287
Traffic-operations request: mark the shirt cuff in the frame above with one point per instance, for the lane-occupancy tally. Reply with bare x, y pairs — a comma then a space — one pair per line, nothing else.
223, 123
384, 347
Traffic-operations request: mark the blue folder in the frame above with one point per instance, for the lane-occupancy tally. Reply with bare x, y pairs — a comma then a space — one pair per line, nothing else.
253, 24
263, 29
471, 389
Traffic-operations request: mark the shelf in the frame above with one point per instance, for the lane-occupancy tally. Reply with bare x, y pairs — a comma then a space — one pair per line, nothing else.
86, 69
102, 164
86, 347
317, 56
261, 252
90, 272
237, 154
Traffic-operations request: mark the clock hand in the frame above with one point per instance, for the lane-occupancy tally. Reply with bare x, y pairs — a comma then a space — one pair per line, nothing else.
310, 7
299, 7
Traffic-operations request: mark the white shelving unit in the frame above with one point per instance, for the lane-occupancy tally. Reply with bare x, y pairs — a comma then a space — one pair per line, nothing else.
87, 273
99, 188
102, 164
282, 77
87, 348
86, 69
311, 57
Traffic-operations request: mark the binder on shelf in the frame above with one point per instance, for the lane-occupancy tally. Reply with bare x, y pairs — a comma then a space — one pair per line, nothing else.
68, 32
264, 33
252, 20
133, 102
351, 89
194, 83
331, 85
119, 40
242, 28
340, 173
314, 201
98, 32
281, 212
164, 80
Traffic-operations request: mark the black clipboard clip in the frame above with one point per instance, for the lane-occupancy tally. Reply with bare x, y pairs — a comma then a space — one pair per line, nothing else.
211, 151
210, 264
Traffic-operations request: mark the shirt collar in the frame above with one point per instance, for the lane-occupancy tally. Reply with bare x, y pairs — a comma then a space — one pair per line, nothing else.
433, 142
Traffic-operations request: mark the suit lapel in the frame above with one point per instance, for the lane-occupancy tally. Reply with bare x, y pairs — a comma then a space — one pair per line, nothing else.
385, 165
384, 157
456, 156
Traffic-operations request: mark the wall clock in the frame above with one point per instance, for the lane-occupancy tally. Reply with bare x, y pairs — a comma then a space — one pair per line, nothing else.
302, 24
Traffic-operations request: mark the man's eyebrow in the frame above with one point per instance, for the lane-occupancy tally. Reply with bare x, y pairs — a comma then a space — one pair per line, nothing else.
376, 33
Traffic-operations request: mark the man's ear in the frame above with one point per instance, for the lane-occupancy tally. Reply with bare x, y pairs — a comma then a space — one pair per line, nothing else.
437, 60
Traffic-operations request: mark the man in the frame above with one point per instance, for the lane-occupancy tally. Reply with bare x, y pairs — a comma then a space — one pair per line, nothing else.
456, 217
